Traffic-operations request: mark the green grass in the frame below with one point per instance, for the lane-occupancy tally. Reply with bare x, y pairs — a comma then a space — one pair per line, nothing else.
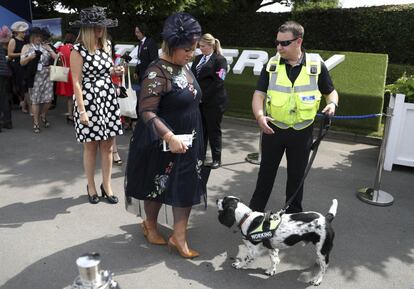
359, 81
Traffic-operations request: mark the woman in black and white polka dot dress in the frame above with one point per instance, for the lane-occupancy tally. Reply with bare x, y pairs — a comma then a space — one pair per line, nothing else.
96, 113
99, 98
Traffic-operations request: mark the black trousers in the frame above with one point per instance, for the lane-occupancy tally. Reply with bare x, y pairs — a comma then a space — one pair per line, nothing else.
212, 117
296, 144
5, 101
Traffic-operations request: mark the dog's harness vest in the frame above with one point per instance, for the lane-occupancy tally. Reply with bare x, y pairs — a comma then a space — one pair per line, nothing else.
264, 229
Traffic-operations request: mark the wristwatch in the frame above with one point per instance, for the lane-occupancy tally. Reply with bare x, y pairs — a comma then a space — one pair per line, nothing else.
334, 102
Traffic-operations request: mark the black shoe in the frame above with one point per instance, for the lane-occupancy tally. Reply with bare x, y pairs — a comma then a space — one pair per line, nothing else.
94, 199
45, 122
8, 125
36, 128
111, 199
117, 162
215, 164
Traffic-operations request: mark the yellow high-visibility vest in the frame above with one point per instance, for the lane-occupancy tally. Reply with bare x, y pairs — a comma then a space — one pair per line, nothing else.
293, 105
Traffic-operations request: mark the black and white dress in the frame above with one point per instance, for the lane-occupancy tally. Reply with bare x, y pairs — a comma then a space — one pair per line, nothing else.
99, 98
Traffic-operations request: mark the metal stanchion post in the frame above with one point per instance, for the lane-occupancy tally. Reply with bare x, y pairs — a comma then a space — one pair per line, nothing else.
90, 275
376, 196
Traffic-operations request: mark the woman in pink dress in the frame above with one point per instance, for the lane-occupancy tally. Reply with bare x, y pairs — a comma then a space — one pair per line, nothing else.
66, 88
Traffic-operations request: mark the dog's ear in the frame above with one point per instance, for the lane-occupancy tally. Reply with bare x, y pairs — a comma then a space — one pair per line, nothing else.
226, 217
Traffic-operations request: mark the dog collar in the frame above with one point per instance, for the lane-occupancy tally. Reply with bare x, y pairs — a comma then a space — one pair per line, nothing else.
243, 219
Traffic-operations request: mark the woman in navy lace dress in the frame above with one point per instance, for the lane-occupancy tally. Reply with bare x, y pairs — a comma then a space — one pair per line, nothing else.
169, 107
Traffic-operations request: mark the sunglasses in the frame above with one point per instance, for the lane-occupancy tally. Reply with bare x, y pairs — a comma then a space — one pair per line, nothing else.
284, 43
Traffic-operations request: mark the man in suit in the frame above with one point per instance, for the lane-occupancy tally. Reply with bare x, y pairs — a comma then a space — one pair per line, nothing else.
147, 52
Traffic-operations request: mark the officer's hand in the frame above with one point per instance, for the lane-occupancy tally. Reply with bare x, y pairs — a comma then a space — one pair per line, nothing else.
329, 109
262, 121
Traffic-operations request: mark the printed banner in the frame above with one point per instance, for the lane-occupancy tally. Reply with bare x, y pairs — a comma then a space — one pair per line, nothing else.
54, 25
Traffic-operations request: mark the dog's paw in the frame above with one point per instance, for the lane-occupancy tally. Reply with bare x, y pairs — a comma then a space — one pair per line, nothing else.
270, 272
237, 265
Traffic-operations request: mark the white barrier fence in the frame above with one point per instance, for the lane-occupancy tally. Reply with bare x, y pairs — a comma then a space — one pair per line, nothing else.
400, 143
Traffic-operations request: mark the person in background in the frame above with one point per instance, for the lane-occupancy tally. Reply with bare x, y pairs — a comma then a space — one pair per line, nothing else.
147, 53
5, 74
169, 106
47, 41
210, 69
96, 111
37, 56
117, 80
14, 49
65, 89
292, 84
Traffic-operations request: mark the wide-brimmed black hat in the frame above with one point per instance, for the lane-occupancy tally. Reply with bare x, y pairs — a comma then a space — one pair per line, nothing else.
181, 29
94, 16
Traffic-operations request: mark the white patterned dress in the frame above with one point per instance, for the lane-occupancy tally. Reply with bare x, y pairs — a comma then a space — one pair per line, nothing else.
42, 90
99, 98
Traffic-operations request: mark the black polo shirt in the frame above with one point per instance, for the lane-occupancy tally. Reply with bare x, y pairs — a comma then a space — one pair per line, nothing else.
325, 84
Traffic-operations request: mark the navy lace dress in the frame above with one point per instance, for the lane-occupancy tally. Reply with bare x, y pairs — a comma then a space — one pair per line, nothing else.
169, 100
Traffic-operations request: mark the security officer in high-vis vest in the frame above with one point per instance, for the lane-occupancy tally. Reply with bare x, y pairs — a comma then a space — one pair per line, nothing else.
291, 85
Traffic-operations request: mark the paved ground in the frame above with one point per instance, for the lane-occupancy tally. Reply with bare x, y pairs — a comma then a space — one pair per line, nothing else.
46, 221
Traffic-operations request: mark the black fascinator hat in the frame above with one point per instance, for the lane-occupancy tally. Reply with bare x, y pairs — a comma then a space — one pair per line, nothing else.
180, 30
94, 16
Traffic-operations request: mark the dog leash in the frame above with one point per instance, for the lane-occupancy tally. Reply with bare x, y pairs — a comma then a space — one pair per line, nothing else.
325, 125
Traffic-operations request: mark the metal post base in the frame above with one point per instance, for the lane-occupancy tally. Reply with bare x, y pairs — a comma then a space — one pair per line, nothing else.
375, 197
253, 158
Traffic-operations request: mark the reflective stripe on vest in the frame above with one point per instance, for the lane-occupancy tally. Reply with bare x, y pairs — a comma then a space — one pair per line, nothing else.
293, 105
259, 233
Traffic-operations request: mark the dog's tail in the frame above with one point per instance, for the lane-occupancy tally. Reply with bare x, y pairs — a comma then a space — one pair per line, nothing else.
332, 211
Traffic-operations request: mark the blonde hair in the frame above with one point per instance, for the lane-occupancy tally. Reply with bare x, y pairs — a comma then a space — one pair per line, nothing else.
166, 49
87, 38
210, 40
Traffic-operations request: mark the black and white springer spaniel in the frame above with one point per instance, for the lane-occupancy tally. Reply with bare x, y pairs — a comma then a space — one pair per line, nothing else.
289, 230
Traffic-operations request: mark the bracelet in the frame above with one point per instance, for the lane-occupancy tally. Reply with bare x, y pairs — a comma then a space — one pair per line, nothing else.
82, 112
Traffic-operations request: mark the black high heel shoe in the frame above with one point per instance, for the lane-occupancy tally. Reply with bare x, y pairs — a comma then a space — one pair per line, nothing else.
118, 161
94, 199
111, 199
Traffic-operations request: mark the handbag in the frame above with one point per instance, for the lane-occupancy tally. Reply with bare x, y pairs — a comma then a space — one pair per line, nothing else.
59, 73
127, 104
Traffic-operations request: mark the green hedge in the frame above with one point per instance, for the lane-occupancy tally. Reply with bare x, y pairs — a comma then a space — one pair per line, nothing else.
381, 29
359, 81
